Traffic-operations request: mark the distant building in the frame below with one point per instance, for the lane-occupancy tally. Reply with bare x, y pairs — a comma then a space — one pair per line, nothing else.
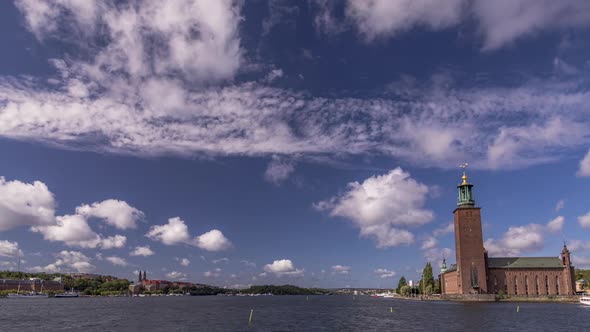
476, 273
33, 284
411, 283
154, 285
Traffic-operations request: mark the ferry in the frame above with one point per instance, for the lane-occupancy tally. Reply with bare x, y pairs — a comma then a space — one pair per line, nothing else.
585, 300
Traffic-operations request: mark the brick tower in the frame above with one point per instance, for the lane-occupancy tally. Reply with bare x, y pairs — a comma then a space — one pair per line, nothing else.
471, 261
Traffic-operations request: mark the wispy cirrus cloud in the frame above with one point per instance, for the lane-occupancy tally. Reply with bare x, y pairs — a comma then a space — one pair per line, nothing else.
113, 99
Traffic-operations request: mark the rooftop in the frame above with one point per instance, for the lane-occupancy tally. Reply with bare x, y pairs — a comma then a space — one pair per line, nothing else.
524, 262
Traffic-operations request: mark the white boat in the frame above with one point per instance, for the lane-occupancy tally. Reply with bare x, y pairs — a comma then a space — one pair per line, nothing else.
31, 295
67, 294
585, 300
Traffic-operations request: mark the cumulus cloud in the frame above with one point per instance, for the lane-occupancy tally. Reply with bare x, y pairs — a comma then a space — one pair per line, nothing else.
584, 169
429, 243
386, 18
117, 241
575, 245
175, 275
74, 230
278, 170
384, 273
449, 228
117, 260
248, 263
499, 23
114, 212
185, 262
436, 255
25, 204
584, 220
9, 249
340, 269
142, 251
213, 240
283, 267
556, 224
213, 273
516, 240
67, 260
176, 232
380, 205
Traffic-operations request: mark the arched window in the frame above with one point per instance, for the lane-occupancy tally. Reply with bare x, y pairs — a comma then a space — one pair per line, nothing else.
495, 285
515, 285
556, 285
547, 284
537, 285
526, 285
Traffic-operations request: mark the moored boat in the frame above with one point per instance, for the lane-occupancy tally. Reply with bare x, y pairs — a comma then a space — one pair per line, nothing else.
585, 300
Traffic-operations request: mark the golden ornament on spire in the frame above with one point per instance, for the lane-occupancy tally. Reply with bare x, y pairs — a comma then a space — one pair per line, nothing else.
464, 177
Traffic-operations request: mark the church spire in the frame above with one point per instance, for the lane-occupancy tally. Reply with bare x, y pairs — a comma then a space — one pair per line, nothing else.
465, 198
443, 268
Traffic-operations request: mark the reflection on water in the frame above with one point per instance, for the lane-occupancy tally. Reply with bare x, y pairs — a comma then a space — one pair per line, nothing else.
285, 313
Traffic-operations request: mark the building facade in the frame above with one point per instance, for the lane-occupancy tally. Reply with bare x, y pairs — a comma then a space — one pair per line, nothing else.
32, 284
476, 273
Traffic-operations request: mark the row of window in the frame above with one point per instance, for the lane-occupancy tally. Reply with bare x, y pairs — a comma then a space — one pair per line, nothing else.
527, 291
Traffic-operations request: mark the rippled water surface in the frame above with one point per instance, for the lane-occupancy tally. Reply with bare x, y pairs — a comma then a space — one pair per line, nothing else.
284, 313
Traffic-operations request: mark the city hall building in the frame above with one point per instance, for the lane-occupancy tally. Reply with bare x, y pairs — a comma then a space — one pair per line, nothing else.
476, 273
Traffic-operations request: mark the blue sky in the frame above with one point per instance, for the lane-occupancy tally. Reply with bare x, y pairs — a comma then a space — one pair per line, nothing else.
312, 143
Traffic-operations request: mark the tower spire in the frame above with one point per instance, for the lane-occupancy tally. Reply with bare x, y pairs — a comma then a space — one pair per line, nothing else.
465, 198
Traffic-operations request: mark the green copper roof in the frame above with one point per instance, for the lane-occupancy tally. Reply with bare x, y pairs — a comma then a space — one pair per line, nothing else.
524, 262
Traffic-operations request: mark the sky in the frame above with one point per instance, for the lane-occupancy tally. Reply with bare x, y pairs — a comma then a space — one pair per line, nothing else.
314, 143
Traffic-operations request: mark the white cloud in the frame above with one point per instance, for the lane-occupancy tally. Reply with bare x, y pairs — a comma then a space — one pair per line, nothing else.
73, 230
449, 228
213, 274
386, 18
175, 275
220, 260
584, 169
67, 260
142, 251
556, 224
213, 240
9, 249
380, 205
429, 243
384, 273
516, 240
176, 232
114, 212
499, 22
559, 205
584, 220
340, 269
503, 22
197, 38
278, 170
25, 204
575, 245
248, 263
108, 102
185, 262
117, 241
117, 260
283, 267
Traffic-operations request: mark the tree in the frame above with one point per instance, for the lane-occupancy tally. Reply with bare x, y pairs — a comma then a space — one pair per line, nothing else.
427, 279
404, 290
402, 282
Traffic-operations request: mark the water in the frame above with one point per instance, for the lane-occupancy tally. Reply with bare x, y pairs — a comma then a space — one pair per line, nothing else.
284, 313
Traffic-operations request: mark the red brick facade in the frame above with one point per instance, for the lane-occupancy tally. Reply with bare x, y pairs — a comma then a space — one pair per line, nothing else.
471, 264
